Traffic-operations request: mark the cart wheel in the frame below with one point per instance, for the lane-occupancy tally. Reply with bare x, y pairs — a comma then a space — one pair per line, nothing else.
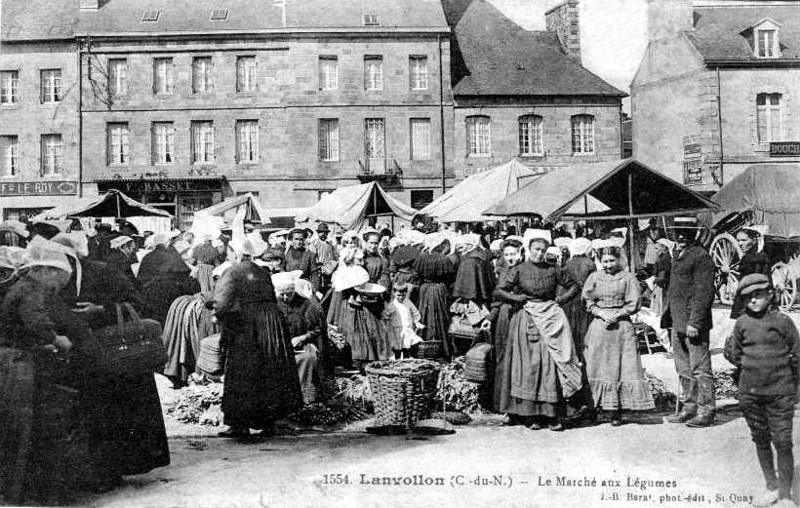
726, 256
785, 286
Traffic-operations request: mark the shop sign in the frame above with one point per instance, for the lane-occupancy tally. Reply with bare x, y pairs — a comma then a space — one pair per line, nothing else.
46, 188
784, 149
692, 147
158, 186
693, 171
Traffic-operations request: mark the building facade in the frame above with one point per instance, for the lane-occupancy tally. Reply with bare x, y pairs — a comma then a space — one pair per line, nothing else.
717, 89
526, 96
181, 104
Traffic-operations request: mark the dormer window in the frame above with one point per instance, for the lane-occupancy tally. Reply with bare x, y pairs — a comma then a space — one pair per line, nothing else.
767, 44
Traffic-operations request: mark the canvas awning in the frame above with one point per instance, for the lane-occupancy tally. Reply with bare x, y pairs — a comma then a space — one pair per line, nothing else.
351, 205
770, 191
111, 204
252, 206
466, 201
621, 189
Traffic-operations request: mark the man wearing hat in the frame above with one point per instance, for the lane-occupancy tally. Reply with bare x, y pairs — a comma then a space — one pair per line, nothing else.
327, 257
689, 299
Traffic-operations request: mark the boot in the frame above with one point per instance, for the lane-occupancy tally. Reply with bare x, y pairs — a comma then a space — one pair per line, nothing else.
701, 420
682, 417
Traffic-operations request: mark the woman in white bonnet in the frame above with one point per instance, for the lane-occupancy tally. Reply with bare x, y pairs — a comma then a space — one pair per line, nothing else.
305, 325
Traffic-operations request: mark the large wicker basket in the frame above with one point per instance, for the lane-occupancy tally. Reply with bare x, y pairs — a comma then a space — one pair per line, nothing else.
403, 391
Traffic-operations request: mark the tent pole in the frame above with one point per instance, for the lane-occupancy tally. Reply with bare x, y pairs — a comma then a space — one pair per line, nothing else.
631, 262
119, 213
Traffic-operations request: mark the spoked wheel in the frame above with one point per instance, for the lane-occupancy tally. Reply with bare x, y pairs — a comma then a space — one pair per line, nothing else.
726, 256
785, 286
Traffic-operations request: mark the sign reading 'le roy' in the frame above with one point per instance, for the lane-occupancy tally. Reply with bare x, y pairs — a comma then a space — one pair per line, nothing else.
46, 188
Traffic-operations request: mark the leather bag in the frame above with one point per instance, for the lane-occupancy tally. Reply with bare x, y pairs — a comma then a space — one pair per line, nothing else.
132, 347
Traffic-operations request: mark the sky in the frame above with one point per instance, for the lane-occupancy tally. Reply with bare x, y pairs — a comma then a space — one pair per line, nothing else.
613, 33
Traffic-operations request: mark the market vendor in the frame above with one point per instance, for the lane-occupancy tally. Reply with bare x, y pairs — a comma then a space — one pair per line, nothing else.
305, 325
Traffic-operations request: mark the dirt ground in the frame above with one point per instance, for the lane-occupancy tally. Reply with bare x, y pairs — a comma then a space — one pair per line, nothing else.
644, 463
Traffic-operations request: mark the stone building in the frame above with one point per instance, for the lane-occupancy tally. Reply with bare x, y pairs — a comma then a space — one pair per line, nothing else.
182, 103
524, 95
715, 92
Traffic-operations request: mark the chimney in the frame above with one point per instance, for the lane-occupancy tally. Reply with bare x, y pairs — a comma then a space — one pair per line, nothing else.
563, 20
89, 5
666, 18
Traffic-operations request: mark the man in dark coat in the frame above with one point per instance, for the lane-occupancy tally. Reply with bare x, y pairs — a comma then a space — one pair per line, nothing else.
300, 258
689, 299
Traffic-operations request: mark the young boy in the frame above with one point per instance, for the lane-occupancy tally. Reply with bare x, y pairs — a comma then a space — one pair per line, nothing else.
765, 347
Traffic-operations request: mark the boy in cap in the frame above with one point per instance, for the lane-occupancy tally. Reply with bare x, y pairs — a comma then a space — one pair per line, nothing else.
764, 345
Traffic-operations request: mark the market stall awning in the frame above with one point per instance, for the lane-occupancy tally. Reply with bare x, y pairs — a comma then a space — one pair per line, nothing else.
625, 189
466, 201
111, 204
350, 206
254, 211
770, 191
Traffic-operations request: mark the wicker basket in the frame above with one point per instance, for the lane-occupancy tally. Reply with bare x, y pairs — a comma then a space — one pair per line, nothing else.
428, 349
403, 390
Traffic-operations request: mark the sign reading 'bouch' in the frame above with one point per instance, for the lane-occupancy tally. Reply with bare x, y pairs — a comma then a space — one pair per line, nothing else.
784, 149
47, 188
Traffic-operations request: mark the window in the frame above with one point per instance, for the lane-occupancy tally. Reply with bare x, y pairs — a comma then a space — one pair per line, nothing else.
201, 74
150, 16
163, 143
246, 74
479, 136
51, 154
370, 19
374, 138
51, 85
767, 44
9, 155
202, 142
219, 14
118, 144
418, 72
117, 77
530, 135
373, 72
329, 139
246, 141
582, 134
162, 75
328, 73
769, 117
421, 198
9, 87
420, 139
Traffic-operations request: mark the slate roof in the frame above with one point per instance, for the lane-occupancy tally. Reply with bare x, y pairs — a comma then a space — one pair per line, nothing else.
62, 19
720, 32
491, 49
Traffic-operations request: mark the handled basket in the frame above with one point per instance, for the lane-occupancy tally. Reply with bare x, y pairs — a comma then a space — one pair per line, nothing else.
403, 390
132, 347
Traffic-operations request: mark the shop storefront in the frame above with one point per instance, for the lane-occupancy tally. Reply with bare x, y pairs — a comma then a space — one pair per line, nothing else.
181, 197
21, 200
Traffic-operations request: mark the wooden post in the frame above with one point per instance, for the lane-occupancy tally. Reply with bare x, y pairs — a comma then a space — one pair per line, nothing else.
631, 263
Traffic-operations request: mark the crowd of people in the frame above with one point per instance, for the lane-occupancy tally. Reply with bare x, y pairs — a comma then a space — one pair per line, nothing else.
288, 309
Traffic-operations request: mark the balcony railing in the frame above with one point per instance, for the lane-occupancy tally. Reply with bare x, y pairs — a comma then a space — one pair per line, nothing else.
383, 169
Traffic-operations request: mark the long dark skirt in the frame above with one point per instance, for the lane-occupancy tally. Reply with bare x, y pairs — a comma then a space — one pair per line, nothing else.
181, 340
130, 425
261, 380
435, 311
579, 320
502, 380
